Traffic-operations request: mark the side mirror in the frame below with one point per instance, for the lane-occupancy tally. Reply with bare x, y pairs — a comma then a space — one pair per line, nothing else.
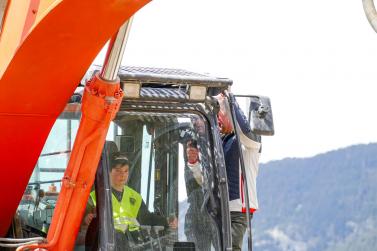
259, 113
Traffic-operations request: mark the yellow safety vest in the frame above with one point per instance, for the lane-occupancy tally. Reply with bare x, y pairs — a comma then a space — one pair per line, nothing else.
124, 212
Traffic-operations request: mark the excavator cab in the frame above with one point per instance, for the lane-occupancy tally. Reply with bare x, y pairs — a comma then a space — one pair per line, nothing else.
167, 128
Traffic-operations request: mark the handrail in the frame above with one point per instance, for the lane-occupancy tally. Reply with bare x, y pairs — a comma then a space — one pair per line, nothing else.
370, 12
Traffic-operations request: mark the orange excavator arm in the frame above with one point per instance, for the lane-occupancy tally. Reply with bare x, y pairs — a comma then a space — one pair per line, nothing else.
38, 79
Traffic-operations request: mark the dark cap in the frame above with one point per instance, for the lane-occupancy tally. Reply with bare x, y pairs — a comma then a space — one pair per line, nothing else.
192, 143
118, 158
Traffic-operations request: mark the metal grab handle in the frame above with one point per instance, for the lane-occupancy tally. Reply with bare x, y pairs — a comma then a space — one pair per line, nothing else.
370, 12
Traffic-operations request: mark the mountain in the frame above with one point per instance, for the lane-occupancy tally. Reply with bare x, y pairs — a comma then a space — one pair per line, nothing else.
326, 202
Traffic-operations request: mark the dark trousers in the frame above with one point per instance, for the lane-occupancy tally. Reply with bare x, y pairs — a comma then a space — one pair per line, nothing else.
239, 225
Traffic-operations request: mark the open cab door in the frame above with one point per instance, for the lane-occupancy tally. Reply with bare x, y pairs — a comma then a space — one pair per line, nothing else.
259, 117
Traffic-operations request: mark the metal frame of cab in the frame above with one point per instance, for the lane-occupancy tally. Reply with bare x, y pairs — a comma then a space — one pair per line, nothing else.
167, 90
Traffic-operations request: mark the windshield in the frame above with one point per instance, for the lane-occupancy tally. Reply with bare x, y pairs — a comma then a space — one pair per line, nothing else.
168, 173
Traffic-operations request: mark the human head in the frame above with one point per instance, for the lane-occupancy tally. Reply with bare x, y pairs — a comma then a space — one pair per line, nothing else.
199, 125
192, 151
223, 116
119, 167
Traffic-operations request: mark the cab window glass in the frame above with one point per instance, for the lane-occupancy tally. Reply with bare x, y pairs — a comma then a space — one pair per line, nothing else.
159, 194
37, 205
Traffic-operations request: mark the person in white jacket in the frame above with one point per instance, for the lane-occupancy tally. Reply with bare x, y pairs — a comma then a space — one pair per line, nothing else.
197, 222
251, 148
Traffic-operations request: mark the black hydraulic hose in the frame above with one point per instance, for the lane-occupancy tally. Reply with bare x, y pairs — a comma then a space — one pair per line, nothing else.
106, 233
246, 192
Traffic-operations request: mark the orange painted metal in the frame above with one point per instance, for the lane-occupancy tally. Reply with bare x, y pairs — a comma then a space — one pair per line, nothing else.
100, 103
31, 16
37, 83
16, 14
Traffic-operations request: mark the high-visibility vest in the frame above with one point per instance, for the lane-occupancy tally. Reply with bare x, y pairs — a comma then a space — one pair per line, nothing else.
125, 212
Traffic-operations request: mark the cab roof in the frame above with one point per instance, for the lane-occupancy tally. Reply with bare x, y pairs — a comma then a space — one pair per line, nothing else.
166, 77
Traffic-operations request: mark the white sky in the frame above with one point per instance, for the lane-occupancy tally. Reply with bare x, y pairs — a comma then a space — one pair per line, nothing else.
316, 60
